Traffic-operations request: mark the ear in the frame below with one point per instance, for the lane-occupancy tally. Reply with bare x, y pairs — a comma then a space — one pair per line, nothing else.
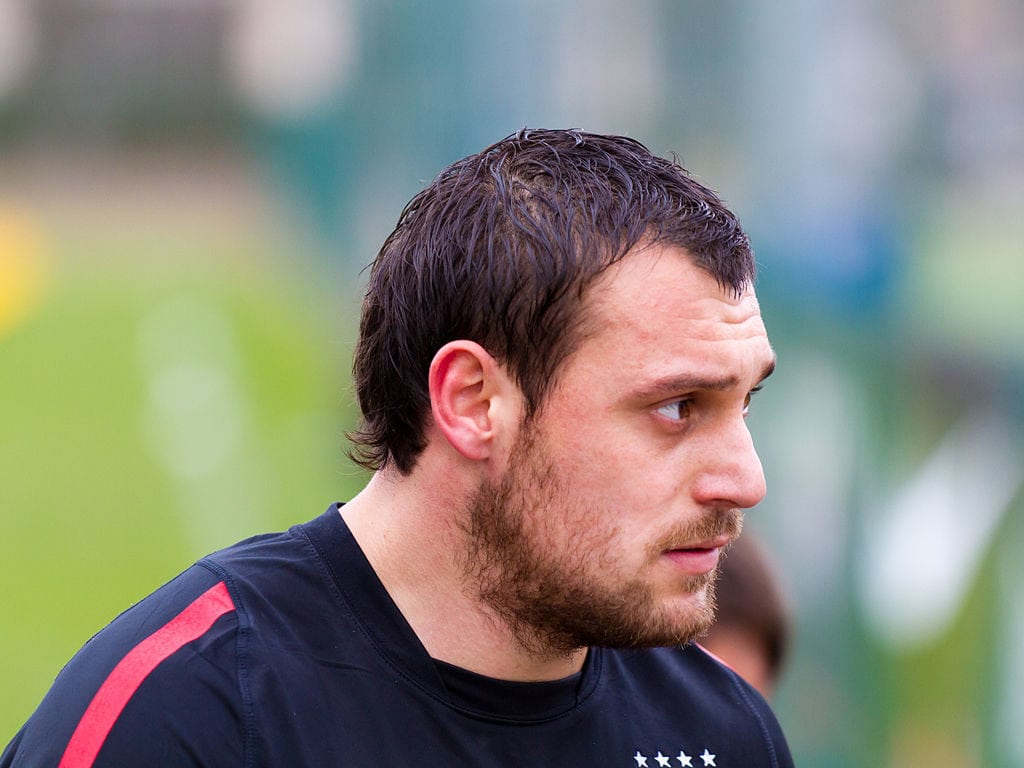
472, 400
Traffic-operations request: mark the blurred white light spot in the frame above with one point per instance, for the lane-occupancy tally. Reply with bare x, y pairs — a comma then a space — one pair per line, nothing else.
186, 329
194, 420
287, 59
194, 416
18, 43
921, 557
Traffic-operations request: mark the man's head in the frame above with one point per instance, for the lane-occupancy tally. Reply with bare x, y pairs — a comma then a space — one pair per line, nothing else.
558, 348
500, 249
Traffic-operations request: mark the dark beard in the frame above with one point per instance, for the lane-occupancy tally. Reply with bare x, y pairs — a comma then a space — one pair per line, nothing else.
550, 602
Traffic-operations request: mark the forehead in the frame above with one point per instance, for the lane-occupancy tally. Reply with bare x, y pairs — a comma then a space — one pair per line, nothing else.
656, 311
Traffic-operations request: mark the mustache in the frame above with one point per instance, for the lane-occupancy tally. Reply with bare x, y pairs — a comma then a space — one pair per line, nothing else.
712, 525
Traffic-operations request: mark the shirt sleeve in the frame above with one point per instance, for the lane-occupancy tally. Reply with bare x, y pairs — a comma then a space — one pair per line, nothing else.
158, 686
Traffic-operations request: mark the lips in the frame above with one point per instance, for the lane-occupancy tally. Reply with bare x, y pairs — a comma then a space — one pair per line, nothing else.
718, 542
699, 557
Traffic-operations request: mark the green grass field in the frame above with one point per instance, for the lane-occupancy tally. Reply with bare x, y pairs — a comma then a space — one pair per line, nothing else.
153, 409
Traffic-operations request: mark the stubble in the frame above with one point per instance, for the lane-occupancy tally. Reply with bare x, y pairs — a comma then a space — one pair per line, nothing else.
558, 593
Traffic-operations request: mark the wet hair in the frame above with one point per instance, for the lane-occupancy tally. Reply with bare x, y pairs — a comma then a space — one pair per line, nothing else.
499, 249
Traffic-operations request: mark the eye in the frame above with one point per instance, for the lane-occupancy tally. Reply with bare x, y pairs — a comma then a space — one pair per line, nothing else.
746, 402
677, 410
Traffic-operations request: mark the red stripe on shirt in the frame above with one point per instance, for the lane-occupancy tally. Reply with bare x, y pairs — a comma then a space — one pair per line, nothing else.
106, 706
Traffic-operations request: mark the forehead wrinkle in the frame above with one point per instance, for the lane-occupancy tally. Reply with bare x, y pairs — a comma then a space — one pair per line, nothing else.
724, 328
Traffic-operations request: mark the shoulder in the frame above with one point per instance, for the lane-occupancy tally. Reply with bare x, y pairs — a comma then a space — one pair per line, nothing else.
702, 692
169, 681
734, 698
150, 686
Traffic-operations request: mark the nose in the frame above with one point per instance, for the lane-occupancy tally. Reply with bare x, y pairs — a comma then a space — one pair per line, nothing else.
730, 474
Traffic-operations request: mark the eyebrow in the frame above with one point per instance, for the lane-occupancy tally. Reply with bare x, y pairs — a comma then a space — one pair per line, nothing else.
675, 384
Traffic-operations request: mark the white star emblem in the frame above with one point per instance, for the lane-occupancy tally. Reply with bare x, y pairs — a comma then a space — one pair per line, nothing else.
641, 761
708, 758
685, 761
662, 760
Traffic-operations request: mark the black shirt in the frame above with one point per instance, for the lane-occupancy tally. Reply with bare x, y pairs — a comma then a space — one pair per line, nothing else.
285, 650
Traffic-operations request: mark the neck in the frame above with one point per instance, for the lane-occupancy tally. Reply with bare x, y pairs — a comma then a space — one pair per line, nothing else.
408, 529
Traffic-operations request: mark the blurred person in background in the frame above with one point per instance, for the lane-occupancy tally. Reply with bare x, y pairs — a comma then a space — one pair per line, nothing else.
752, 627
558, 349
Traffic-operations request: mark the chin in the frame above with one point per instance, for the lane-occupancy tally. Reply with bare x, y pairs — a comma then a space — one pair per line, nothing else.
692, 615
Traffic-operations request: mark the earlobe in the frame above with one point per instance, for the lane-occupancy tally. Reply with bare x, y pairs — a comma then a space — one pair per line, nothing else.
466, 388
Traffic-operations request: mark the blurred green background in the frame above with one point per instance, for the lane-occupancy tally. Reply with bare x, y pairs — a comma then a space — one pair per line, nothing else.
189, 190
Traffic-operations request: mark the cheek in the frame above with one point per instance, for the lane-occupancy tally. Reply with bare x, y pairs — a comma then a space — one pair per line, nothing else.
601, 515
623, 471
593, 468
604, 462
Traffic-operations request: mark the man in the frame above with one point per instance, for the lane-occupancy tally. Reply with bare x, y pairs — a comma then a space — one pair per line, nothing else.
557, 351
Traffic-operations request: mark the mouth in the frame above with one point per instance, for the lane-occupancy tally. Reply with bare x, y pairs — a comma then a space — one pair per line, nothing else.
700, 557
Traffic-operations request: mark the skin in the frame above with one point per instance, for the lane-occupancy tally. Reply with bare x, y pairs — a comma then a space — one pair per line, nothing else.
624, 484
744, 652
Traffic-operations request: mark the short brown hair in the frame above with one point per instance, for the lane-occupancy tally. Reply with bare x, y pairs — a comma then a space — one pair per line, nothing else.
499, 250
